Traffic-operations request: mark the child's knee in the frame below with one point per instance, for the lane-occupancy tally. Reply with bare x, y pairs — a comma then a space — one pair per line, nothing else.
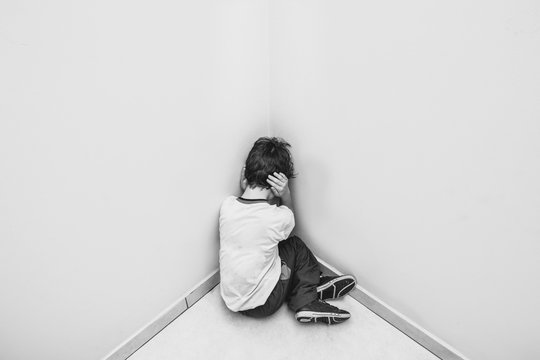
297, 242
295, 239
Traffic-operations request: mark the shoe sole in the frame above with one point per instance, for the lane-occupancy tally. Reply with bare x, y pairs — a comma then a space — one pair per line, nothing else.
321, 317
330, 289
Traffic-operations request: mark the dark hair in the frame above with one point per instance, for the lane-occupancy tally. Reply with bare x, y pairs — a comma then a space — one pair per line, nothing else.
268, 155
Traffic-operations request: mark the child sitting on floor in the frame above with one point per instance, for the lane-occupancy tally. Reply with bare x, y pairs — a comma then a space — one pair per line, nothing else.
261, 265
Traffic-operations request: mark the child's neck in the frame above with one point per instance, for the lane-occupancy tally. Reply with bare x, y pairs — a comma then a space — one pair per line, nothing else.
252, 193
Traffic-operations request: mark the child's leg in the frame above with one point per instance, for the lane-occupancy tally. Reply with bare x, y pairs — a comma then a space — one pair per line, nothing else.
275, 299
305, 272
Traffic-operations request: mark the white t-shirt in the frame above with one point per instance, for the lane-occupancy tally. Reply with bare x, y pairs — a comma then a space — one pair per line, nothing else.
249, 262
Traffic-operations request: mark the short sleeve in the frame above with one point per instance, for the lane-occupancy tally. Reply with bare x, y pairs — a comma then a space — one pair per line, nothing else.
288, 221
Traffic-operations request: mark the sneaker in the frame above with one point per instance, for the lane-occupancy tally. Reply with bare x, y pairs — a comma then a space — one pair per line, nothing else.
319, 311
332, 287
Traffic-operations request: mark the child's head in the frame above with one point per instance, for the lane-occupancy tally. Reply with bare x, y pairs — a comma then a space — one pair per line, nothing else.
268, 155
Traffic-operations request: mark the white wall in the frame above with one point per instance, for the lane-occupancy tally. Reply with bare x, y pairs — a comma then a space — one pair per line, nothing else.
122, 126
416, 127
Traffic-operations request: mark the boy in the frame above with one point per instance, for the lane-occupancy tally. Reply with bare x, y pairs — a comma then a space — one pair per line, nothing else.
260, 265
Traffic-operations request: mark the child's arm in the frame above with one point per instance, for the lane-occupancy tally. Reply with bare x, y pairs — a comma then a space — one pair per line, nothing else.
280, 187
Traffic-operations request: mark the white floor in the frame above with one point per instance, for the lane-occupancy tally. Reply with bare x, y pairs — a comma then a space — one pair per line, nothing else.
208, 330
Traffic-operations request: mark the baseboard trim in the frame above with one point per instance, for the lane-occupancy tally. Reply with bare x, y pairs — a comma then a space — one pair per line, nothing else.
160, 322
420, 335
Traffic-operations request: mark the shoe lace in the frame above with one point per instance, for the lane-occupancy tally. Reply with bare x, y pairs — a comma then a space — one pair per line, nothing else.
327, 304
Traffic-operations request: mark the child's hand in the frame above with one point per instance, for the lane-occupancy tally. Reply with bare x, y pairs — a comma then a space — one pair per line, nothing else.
243, 181
279, 184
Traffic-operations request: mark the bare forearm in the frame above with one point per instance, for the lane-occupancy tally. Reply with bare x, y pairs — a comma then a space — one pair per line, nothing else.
286, 200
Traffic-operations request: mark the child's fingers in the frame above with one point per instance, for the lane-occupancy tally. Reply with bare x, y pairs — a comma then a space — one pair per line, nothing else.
281, 176
272, 182
276, 189
275, 180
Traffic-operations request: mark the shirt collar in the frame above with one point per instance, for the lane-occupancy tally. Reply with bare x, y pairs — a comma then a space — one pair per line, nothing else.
251, 201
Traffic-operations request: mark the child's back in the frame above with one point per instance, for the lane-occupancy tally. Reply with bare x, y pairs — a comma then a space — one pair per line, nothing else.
250, 231
261, 265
